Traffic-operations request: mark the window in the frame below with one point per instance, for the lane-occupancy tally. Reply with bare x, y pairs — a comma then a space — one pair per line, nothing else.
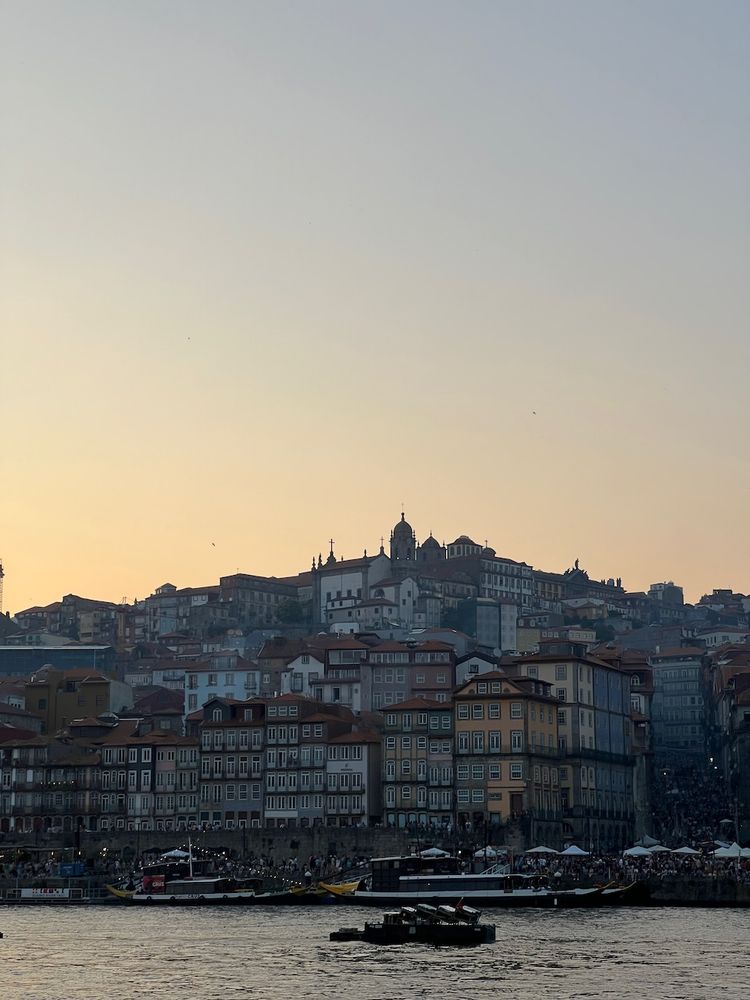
494, 711
516, 710
494, 772
516, 772
561, 671
477, 795
477, 742
495, 741
463, 711
477, 711
516, 740
477, 772
390, 742
562, 717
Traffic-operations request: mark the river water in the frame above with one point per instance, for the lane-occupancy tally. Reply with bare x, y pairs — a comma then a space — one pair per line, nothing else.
123, 953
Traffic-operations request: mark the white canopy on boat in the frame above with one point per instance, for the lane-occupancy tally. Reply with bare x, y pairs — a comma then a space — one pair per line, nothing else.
574, 852
637, 852
658, 849
433, 852
176, 853
540, 850
685, 850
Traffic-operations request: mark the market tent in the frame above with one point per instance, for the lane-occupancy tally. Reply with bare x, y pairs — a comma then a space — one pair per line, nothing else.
685, 850
658, 849
733, 851
434, 852
637, 852
574, 852
176, 853
541, 850
646, 841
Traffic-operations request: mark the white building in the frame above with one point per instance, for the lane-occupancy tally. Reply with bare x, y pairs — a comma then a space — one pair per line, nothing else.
225, 675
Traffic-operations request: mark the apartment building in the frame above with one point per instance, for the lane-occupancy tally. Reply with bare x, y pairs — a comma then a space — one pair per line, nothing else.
418, 763
232, 742
148, 782
595, 738
47, 784
222, 675
507, 756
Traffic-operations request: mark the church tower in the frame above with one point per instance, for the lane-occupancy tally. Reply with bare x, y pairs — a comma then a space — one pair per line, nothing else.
403, 542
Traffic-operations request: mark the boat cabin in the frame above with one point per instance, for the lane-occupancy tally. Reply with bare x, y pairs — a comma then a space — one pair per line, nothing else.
386, 872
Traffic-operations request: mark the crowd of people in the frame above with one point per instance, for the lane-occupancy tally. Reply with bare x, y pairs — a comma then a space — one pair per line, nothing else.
624, 868
688, 801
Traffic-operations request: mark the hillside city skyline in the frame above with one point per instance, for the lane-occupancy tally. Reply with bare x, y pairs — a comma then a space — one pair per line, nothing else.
83, 589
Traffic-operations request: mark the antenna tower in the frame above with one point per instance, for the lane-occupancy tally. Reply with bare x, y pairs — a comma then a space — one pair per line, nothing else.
2, 574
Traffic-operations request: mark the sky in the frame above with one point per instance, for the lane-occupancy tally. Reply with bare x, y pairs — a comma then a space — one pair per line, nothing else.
270, 270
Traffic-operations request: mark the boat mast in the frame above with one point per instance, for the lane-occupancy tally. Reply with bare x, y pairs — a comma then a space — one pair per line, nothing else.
190, 858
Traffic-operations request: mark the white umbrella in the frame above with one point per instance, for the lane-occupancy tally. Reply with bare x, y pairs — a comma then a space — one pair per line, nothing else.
745, 852
685, 850
574, 852
658, 849
637, 852
433, 852
489, 852
176, 853
541, 850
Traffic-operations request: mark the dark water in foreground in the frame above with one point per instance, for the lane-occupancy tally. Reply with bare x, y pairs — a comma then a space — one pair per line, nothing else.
118, 953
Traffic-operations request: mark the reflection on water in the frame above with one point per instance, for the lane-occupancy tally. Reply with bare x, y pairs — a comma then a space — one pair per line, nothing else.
118, 952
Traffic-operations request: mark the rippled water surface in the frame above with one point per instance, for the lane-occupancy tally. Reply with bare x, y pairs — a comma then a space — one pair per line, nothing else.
117, 953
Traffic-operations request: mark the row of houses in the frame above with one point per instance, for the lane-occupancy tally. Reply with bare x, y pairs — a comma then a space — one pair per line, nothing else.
550, 743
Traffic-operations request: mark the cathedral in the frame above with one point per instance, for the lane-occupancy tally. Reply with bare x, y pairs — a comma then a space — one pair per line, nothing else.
406, 549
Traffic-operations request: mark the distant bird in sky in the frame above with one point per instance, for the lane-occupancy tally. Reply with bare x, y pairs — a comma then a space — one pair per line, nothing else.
214, 544
534, 412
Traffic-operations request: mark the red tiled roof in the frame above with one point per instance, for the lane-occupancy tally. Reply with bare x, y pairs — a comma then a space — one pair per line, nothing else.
678, 651
357, 736
414, 704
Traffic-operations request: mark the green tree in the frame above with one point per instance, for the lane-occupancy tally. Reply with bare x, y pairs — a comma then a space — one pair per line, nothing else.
290, 612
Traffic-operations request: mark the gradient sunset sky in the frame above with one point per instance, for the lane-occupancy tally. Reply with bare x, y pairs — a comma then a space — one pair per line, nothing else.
270, 269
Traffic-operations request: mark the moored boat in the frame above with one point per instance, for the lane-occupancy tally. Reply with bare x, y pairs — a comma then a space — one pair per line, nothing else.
417, 879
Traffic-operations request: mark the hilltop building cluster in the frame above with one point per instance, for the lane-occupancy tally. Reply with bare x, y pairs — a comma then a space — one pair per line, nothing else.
427, 686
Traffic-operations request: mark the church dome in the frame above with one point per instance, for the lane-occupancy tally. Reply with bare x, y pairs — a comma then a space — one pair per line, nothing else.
431, 543
403, 528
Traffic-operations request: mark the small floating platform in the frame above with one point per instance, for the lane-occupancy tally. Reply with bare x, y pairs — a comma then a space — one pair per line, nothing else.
442, 925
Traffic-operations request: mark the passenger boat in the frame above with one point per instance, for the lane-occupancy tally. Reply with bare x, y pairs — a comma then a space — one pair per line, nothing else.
180, 885
425, 924
415, 879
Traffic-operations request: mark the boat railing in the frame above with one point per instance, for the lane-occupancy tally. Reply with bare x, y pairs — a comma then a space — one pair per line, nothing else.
21, 893
500, 868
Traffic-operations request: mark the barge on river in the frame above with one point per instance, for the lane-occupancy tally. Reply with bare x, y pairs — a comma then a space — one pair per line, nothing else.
423, 924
